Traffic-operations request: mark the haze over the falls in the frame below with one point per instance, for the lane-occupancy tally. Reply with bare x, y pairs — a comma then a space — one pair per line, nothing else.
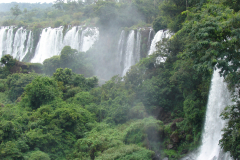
130, 48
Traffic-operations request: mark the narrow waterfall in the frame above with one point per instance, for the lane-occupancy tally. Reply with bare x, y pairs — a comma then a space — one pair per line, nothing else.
120, 47
158, 37
50, 44
29, 46
129, 61
149, 37
138, 47
6, 40
219, 98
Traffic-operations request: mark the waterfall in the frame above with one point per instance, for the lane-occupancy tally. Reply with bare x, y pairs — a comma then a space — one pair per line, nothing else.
88, 37
129, 61
17, 44
52, 41
50, 44
6, 40
138, 47
72, 38
120, 47
219, 98
158, 37
28, 47
149, 38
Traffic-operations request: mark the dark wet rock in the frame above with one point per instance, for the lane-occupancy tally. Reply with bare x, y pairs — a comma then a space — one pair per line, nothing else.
185, 151
169, 146
174, 137
173, 126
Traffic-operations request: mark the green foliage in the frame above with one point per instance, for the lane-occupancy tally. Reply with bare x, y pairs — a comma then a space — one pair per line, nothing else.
39, 155
126, 152
82, 98
41, 91
16, 83
69, 58
208, 39
230, 139
51, 64
63, 75
16, 11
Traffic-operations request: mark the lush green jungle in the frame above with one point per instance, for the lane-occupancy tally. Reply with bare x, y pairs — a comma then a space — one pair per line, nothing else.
58, 110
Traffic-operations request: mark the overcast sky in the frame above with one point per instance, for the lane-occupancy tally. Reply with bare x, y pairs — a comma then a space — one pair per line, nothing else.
26, 1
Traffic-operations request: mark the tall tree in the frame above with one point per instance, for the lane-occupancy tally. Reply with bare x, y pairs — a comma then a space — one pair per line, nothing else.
16, 11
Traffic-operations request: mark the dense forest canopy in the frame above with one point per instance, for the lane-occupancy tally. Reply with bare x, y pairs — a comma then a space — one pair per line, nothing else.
58, 110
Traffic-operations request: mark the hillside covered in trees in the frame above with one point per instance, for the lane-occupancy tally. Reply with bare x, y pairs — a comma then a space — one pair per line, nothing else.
59, 110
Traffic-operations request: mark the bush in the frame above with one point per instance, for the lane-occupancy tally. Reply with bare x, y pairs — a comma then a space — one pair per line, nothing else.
42, 90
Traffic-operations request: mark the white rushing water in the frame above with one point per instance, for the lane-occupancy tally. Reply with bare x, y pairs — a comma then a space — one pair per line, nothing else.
149, 37
17, 44
6, 40
72, 38
88, 38
50, 44
158, 37
219, 98
52, 41
128, 60
138, 47
120, 47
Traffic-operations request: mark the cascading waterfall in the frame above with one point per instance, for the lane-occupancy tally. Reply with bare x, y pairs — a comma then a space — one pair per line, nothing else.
52, 41
120, 47
17, 44
219, 98
138, 46
50, 44
88, 37
6, 40
149, 37
129, 61
158, 37
72, 38
28, 47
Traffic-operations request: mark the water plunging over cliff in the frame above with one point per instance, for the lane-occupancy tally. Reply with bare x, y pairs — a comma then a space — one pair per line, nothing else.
158, 37
50, 44
219, 98
17, 44
128, 62
52, 41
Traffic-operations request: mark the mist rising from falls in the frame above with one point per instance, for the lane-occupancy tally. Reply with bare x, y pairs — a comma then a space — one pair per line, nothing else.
88, 37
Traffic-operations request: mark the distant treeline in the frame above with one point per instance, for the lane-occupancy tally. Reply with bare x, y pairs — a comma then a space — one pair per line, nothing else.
5, 7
